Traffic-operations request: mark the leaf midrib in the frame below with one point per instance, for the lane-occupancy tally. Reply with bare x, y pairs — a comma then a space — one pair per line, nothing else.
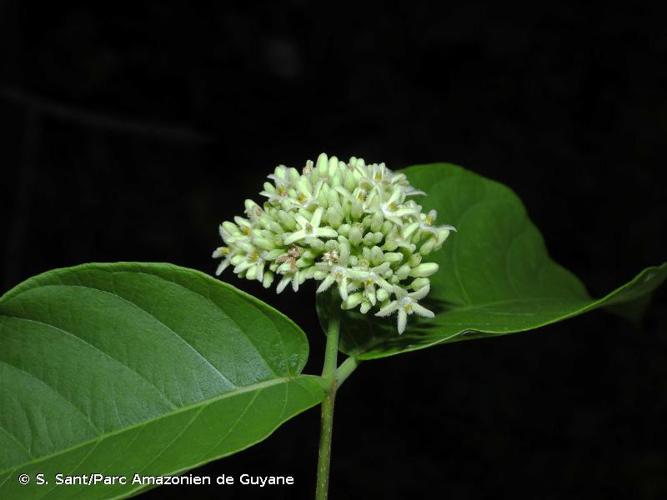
580, 308
508, 302
204, 403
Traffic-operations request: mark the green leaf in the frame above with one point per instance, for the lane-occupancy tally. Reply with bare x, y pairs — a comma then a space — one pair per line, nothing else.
495, 275
146, 368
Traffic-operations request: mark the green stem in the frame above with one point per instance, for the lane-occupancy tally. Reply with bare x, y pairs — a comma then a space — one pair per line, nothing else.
324, 459
331, 350
326, 426
345, 369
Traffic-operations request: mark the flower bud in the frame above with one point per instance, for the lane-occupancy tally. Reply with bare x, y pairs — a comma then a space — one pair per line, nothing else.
263, 243
424, 270
415, 259
369, 239
344, 230
376, 221
268, 280
393, 257
322, 163
428, 246
334, 216
355, 234
403, 272
353, 301
419, 283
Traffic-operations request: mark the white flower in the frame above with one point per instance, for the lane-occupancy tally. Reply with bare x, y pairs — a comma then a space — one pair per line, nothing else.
222, 252
394, 211
427, 220
290, 258
310, 228
372, 278
295, 278
406, 304
337, 274
252, 265
410, 191
275, 193
306, 193
345, 224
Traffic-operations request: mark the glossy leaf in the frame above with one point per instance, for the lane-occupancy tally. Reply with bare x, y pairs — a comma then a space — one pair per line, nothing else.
146, 368
495, 275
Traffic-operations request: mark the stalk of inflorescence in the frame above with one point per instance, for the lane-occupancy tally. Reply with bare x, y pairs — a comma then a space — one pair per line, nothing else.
326, 422
333, 377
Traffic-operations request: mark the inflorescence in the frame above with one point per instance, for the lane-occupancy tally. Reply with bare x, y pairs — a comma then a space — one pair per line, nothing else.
346, 224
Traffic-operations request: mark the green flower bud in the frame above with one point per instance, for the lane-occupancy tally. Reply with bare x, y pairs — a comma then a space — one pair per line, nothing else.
369, 239
403, 272
263, 243
415, 259
424, 270
382, 295
344, 230
393, 257
428, 246
353, 301
420, 283
356, 233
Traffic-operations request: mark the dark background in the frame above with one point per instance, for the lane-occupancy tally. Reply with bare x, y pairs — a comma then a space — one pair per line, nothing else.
130, 131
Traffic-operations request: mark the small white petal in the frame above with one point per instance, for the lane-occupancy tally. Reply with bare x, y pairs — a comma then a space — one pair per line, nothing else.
223, 265
422, 311
326, 232
414, 192
388, 309
296, 236
409, 231
317, 217
402, 320
282, 284
342, 289
303, 222
328, 281
421, 293
242, 267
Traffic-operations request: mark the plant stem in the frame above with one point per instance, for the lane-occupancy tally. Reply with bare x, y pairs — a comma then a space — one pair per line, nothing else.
331, 350
326, 426
324, 459
345, 369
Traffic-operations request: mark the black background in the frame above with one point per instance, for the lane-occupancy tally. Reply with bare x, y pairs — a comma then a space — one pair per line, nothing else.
130, 131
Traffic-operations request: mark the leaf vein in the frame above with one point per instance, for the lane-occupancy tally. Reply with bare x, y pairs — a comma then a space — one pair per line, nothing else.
55, 391
96, 348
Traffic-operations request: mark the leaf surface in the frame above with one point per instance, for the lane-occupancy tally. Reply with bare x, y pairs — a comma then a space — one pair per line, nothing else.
146, 368
495, 274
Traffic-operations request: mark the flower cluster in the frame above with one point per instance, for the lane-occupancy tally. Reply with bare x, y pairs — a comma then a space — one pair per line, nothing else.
351, 225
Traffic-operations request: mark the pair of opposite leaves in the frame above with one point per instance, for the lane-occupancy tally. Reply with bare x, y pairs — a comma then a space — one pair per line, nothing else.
155, 369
